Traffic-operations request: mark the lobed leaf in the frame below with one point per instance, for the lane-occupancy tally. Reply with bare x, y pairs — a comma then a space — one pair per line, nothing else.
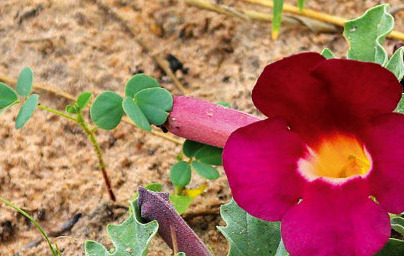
139, 82
106, 111
396, 63
26, 111
155, 103
130, 238
367, 33
180, 174
205, 170
247, 235
133, 111
7, 95
24, 82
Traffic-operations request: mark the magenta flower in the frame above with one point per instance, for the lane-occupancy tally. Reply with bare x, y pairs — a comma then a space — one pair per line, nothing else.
330, 144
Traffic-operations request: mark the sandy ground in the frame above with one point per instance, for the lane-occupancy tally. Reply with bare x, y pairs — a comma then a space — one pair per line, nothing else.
49, 168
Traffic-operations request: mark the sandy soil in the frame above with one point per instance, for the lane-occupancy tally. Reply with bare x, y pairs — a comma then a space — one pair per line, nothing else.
49, 168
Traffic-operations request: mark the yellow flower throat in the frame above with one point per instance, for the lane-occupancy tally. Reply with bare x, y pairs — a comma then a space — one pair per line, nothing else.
338, 156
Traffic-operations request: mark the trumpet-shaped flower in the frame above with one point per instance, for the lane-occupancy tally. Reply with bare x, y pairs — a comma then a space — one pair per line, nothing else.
329, 161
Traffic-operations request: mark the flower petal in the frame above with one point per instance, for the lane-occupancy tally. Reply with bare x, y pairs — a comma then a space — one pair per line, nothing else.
260, 161
358, 91
288, 90
385, 143
335, 220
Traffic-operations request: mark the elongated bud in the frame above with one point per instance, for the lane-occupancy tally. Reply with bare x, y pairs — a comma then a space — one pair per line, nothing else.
204, 121
172, 228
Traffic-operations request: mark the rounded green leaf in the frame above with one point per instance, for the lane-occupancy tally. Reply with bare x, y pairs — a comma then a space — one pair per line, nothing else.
139, 82
26, 111
106, 111
209, 155
181, 203
180, 174
205, 170
24, 82
7, 95
135, 114
83, 100
154, 103
190, 147
71, 109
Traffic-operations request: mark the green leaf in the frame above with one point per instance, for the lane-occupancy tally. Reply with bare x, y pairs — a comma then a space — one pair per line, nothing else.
71, 109
135, 114
224, 104
300, 4
181, 203
26, 111
205, 170
83, 100
129, 238
106, 111
400, 105
394, 247
181, 254
139, 82
326, 53
396, 64
24, 82
277, 17
367, 33
180, 174
190, 147
209, 155
154, 103
247, 235
7, 95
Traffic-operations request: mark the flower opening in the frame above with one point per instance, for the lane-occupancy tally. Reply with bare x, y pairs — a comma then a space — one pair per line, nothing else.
336, 157
330, 142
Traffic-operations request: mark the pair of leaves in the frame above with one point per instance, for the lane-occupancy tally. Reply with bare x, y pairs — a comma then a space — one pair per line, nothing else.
82, 102
250, 236
9, 97
205, 156
145, 103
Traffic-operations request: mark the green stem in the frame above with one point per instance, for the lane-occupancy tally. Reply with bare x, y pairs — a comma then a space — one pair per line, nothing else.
33, 221
101, 163
91, 135
54, 111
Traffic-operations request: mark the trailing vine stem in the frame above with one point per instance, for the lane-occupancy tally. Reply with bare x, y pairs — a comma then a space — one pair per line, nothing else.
90, 132
43, 233
101, 163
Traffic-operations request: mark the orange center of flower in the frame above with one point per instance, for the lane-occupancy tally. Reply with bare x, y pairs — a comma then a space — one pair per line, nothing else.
338, 156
